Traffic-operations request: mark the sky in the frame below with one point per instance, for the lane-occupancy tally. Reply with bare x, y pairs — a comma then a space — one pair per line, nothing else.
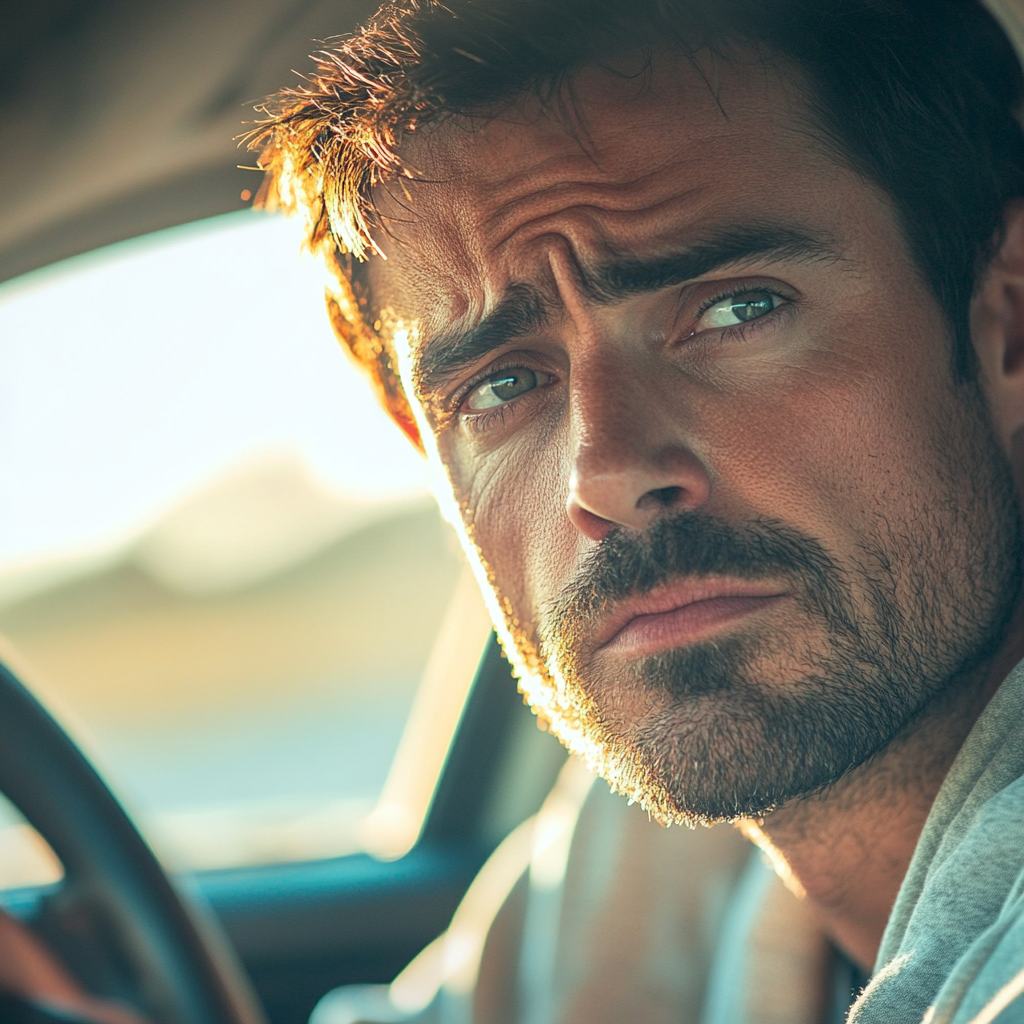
135, 375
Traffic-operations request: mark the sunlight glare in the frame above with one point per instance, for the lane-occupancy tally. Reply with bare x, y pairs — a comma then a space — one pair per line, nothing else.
133, 376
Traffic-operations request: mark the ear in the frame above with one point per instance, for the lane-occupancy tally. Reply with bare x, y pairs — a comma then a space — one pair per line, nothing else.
997, 330
401, 415
371, 354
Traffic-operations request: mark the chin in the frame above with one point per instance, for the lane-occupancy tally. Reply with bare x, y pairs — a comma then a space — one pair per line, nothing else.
719, 731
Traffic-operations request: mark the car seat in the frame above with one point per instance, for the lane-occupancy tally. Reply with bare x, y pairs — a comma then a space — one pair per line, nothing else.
590, 913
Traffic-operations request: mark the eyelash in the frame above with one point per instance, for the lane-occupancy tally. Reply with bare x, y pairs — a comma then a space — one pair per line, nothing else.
738, 332
479, 421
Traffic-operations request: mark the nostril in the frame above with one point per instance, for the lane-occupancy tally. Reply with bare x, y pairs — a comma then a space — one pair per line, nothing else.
665, 496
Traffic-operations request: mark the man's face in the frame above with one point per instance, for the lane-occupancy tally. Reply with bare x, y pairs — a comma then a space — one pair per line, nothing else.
694, 403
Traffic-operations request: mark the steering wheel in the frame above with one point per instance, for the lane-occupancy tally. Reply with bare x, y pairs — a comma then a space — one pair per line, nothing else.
185, 970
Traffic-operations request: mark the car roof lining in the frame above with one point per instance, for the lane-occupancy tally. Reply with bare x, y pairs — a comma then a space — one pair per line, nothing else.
121, 117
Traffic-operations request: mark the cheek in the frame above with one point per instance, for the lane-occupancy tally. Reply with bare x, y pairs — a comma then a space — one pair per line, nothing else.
837, 448
514, 507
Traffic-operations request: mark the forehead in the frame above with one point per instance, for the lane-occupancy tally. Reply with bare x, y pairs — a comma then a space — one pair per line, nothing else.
625, 162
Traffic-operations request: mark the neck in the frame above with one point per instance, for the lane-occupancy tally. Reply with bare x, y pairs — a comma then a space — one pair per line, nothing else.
849, 847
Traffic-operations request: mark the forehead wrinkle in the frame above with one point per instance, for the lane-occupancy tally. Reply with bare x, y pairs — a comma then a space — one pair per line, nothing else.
621, 194
517, 201
499, 206
509, 228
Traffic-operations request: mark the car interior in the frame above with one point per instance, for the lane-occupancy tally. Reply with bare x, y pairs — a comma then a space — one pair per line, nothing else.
121, 124
121, 121
261, 757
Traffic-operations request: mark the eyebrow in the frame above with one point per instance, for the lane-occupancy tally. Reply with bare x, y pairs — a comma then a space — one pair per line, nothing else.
524, 309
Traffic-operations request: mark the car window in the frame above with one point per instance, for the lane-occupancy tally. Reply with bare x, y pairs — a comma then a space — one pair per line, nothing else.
219, 563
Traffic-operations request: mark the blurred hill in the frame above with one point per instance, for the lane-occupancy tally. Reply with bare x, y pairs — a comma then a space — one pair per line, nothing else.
260, 642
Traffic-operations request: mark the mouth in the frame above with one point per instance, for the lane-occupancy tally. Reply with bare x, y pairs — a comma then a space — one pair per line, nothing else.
681, 613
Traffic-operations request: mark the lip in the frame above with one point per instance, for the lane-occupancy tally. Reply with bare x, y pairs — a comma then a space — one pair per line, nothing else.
682, 612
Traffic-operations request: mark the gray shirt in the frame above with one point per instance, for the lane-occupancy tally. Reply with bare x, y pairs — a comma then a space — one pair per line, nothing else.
953, 951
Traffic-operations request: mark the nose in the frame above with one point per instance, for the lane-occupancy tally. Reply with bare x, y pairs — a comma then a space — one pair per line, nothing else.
631, 464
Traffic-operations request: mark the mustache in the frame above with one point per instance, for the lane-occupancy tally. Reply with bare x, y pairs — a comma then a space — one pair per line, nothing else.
694, 545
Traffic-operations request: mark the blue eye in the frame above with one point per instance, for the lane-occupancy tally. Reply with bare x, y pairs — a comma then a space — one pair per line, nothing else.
739, 309
502, 387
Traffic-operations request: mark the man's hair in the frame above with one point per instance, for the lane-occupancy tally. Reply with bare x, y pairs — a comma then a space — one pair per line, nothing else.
918, 96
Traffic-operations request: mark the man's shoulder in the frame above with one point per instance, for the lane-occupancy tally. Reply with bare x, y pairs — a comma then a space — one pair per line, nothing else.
954, 948
987, 984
